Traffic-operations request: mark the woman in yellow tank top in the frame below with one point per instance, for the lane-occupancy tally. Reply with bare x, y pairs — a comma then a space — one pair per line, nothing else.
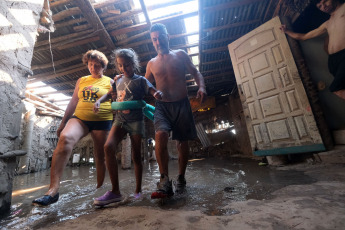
79, 120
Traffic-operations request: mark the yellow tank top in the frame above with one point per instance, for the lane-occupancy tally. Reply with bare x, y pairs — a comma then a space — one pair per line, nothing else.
90, 90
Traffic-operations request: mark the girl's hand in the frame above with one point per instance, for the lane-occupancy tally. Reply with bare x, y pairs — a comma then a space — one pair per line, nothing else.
158, 95
96, 106
118, 77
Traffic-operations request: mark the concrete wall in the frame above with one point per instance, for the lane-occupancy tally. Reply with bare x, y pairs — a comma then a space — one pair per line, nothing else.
18, 30
38, 137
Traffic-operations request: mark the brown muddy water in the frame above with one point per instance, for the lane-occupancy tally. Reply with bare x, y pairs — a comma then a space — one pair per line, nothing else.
211, 185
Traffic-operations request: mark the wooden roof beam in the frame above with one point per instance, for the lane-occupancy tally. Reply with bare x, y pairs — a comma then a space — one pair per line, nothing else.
34, 97
130, 13
201, 15
215, 50
145, 26
131, 38
93, 19
51, 75
95, 5
55, 92
59, 3
216, 61
52, 85
64, 60
148, 41
231, 25
143, 7
62, 38
229, 5
57, 63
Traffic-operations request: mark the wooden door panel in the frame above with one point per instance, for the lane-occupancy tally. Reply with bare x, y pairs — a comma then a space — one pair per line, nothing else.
278, 114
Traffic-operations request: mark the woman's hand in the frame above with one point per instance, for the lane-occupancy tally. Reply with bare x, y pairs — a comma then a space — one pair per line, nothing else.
61, 127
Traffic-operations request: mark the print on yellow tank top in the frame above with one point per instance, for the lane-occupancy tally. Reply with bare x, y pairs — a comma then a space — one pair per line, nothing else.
90, 90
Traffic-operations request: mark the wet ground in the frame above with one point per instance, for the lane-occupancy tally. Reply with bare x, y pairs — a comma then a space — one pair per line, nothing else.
211, 184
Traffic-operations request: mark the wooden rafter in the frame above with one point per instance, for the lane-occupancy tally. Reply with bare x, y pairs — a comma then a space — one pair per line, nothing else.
144, 9
52, 74
93, 19
228, 5
145, 26
232, 25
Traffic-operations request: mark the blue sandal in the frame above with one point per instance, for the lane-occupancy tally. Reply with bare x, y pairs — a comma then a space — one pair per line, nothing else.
46, 200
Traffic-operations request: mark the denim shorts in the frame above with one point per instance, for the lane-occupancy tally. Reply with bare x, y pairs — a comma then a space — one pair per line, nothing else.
133, 128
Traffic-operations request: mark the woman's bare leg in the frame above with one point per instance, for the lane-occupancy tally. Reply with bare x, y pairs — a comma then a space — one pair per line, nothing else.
70, 135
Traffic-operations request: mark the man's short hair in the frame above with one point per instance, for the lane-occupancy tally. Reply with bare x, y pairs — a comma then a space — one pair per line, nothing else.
159, 27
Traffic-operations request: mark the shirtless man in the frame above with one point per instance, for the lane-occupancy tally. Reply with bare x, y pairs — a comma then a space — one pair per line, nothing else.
173, 113
335, 27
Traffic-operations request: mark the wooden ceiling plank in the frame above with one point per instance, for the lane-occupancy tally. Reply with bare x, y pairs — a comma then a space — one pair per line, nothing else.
216, 61
52, 74
183, 46
59, 3
231, 25
145, 26
53, 85
70, 22
32, 96
130, 13
144, 9
112, 26
56, 63
66, 13
215, 50
228, 5
65, 60
63, 38
60, 91
148, 41
77, 43
201, 22
106, 3
131, 38
93, 19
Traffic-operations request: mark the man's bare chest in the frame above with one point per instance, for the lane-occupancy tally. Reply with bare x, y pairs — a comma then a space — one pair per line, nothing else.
336, 23
167, 67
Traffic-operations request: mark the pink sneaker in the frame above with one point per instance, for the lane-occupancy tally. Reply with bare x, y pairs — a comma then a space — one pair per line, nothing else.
107, 198
137, 196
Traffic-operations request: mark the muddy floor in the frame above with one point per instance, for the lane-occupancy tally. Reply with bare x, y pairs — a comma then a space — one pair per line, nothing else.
235, 193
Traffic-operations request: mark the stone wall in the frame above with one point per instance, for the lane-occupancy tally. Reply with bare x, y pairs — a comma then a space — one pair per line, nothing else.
39, 140
18, 30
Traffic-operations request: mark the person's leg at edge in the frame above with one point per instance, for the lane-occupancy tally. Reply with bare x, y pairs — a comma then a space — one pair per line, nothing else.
340, 93
161, 150
115, 136
70, 135
136, 157
99, 137
183, 152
